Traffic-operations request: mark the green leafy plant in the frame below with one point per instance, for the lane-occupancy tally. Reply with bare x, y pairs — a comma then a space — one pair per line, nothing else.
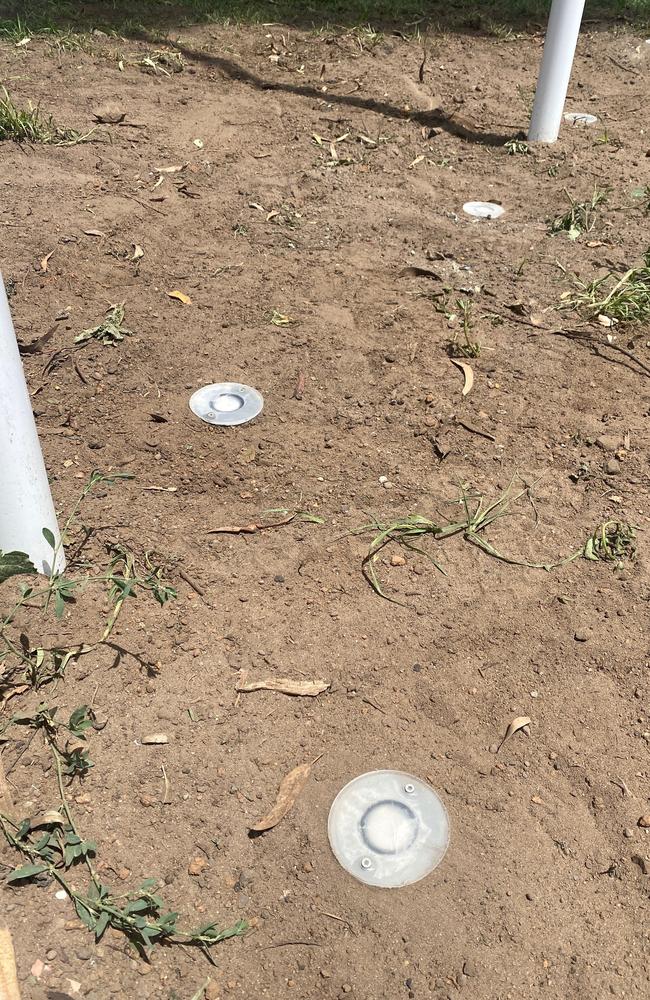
611, 541
468, 347
51, 845
110, 331
517, 147
581, 216
22, 662
29, 125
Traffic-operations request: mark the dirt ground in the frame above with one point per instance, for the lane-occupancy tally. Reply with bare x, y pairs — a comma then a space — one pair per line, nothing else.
544, 889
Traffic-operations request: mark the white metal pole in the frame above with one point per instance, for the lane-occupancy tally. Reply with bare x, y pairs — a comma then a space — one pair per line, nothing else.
553, 84
26, 505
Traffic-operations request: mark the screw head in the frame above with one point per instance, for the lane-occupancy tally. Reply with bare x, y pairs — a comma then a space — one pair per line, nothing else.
366, 863
409, 789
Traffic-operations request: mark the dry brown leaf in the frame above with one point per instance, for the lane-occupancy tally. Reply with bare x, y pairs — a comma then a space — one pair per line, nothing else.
519, 723
290, 788
181, 296
45, 259
94, 232
467, 372
138, 252
50, 818
8, 976
284, 685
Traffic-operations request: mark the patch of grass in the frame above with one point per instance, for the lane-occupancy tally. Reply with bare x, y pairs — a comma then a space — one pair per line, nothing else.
29, 125
110, 331
135, 18
621, 297
581, 216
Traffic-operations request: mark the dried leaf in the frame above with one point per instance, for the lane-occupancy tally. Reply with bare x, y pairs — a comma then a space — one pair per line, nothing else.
181, 296
467, 372
519, 723
169, 170
155, 739
6, 798
45, 259
284, 685
8, 975
290, 788
138, 252
94, 232
249, 529
50, 818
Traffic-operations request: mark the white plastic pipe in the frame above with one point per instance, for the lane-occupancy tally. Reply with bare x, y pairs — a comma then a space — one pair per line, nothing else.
557, 62
26, 505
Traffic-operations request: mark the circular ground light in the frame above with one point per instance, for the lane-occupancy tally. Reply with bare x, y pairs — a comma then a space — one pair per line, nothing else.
388, 828
483, 209
226, 404
579, 118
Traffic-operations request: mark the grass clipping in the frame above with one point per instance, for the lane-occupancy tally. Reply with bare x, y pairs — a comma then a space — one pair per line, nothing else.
612, 541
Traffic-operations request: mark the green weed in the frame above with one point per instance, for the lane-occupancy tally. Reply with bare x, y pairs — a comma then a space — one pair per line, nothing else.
29, 125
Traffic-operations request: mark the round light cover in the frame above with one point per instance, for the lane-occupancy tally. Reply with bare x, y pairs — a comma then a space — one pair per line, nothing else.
580, 118
226, 404
483, 209
388, 828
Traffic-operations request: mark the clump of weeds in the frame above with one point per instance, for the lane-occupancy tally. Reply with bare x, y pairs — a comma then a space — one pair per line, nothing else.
110, 331
580, 217
30, 125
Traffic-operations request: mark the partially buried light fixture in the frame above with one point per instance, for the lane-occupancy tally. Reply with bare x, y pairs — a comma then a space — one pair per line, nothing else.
226, 404
388, 828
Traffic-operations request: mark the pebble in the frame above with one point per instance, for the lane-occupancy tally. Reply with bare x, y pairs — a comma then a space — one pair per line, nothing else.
613, 467
147, 800
644, 822
642, 862
608, 442
627, 832
469, 968
50, 955
212, 991
582, 635
530, 898
196, 866
397, 560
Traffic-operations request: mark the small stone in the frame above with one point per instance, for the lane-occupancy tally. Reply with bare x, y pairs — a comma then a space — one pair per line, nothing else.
608, 442
388, 485
627, 832
397, 560
291, 983
613, 467
155, 739
325, 974
147, 800
469, 968
582, 635
123, 874
638, 859
494, 747
346, 988
196, 866
530, 897
644, 822
84, 954
390, 358
212, 991
308, 867
50, 955
279, 578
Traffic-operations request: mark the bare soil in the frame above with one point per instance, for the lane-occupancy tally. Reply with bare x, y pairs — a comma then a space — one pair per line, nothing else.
542, 891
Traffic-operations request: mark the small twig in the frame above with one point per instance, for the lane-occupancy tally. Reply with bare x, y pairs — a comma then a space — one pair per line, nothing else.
622, 785
369, 701
286, 944
627, 69
196, 587
144, 204
475, 430
166, 799
341, 920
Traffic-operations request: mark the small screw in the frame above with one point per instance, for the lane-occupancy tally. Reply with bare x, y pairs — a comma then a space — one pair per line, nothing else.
409, 789
366, 863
